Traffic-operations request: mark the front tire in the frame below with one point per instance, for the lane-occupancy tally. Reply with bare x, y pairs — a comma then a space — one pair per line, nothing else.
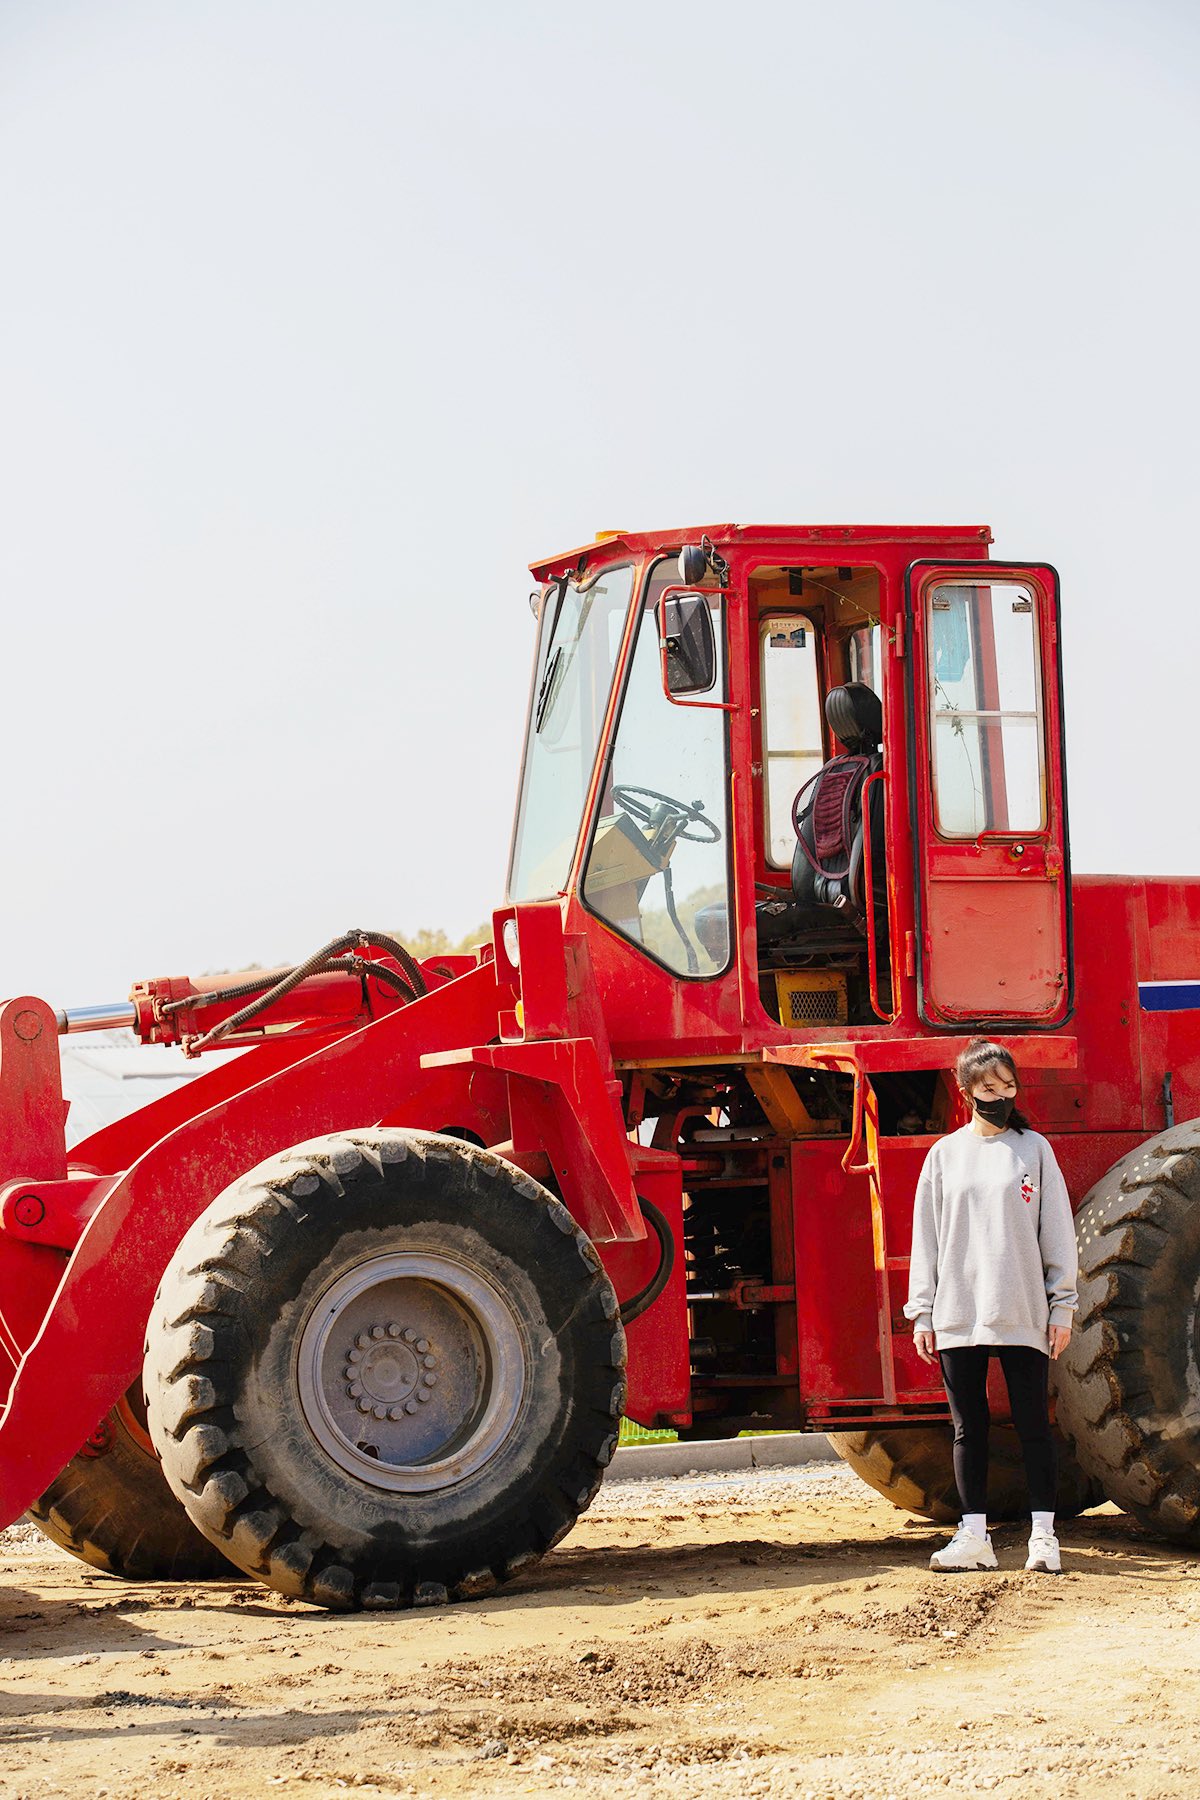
385, 1369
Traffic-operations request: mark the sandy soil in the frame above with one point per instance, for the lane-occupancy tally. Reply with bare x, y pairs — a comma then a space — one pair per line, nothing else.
774, 1634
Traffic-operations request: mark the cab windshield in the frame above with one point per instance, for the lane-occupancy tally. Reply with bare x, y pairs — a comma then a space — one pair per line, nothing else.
580, 636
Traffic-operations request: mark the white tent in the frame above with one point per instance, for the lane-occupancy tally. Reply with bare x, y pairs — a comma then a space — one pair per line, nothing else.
107, 1074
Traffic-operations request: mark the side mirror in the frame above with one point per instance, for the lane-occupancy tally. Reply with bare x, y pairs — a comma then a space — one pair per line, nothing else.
689, 643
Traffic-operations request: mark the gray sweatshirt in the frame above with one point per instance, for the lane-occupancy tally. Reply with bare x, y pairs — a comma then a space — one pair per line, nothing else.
993, 1247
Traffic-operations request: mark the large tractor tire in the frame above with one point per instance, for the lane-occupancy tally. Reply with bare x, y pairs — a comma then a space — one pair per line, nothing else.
913, 1467
111, 1507
1129, 1382
385, 1369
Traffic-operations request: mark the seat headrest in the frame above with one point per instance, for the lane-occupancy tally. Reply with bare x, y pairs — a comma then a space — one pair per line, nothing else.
855, 715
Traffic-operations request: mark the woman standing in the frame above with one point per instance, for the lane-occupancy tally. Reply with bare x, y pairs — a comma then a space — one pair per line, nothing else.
993, 1273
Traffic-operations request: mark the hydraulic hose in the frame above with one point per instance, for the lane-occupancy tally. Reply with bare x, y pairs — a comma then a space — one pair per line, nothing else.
216, 996
640, 1302
319, 961
342, 965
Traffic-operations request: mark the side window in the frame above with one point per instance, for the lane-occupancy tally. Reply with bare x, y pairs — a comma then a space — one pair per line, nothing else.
793, 746
658, 866
986, 727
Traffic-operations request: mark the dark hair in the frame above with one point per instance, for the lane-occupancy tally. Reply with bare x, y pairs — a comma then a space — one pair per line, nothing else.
979, 1058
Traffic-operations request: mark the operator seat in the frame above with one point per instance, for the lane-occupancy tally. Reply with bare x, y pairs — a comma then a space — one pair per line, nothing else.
829, 861
827, 908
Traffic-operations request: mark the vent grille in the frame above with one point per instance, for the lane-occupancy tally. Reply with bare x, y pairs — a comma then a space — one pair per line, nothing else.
812, 999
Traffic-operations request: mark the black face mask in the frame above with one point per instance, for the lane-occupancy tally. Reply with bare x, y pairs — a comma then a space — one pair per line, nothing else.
994, 1112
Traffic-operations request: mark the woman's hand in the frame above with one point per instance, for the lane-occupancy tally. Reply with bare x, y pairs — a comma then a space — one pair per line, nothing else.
925, 1348
1060, 1337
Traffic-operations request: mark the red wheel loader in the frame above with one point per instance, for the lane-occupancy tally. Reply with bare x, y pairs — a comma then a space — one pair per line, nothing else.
360, 1310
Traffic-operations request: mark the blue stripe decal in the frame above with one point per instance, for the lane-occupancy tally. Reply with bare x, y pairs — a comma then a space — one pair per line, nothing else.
1169, 996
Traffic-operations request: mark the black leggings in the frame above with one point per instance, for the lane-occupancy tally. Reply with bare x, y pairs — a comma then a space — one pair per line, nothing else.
1025, 1376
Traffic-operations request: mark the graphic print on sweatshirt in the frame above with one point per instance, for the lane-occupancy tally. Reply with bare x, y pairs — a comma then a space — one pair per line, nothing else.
1027, 1188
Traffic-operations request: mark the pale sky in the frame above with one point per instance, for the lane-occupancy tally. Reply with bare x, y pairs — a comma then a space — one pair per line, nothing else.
320, 320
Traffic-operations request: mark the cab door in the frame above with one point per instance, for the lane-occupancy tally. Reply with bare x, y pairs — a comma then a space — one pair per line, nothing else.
988, 794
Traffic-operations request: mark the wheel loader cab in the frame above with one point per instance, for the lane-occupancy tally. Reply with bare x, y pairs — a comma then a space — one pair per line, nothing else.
614, 734
854, 812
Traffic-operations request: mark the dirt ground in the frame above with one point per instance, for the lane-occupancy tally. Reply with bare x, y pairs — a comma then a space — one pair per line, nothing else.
769, 1634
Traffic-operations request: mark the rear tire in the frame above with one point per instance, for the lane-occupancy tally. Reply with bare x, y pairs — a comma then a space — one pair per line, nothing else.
913, 1467
385, 1369
112, 1508
1129, 1381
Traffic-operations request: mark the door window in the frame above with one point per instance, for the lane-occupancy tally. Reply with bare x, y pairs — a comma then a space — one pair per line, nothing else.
658, 865
793, 747
986, 709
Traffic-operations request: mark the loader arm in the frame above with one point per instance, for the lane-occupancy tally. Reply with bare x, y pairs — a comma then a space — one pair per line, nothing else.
552, 1104
95, 1322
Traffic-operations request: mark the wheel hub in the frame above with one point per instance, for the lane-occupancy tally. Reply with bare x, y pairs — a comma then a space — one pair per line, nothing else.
390, 1371
412, 1370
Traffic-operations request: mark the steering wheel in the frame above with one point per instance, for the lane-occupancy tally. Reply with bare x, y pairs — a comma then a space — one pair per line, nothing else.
633, 800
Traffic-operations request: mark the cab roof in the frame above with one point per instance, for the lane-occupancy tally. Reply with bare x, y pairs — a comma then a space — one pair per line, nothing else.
822, 541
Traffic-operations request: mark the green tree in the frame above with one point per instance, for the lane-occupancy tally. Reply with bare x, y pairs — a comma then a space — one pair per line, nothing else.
433, 941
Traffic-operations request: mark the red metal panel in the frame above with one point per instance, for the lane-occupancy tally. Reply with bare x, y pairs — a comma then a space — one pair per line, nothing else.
562, 1102
900, 1164
1104, 1093
32, 1111
878, 1051
1170, 1041
810, 544
659, 1372
32, 1141
835, 1275
1084, 1156
1004, 952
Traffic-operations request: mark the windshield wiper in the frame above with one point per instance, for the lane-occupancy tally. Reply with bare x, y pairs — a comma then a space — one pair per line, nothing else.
548, 689
553, 657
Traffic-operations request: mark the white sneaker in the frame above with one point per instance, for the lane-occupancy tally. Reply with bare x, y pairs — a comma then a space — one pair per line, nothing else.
964, 1551
1043, 1552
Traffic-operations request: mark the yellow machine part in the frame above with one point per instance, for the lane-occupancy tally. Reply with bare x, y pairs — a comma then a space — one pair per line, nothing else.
812, 998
